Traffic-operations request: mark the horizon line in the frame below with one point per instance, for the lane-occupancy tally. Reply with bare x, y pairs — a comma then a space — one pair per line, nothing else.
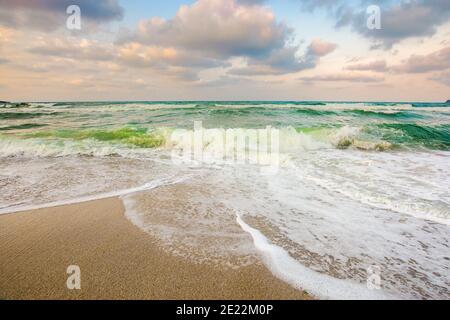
187, 100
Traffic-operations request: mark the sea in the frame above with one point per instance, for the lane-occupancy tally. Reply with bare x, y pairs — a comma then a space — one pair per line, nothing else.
345, 200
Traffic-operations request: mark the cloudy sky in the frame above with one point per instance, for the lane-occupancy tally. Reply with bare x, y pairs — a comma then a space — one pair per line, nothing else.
225, 50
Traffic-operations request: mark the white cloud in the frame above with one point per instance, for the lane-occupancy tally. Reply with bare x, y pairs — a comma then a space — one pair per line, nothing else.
435, 61
218, 28
285, 60
209, 33
344, 77
376, 65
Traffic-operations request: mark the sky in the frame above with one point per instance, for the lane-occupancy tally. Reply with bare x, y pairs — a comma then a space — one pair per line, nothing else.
225, 50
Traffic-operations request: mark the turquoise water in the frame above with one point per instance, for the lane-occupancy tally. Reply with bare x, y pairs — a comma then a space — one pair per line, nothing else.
356, 184
401, 125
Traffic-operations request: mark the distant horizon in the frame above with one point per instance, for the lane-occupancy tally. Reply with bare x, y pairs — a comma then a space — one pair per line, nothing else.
231, 101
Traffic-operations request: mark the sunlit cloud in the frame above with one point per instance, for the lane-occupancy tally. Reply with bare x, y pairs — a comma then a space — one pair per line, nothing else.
376, 65
435, 61
345, 77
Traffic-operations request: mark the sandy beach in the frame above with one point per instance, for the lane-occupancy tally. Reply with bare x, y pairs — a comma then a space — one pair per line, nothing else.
117, 260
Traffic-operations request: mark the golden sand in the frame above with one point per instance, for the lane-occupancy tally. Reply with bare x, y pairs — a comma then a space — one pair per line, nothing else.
117, 260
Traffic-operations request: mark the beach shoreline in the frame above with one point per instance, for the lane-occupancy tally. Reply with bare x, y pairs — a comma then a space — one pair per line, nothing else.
117, 260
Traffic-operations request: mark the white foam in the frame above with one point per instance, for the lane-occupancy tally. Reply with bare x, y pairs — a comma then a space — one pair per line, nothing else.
283, 266
267, 146
119, 193
42, 148
387, 195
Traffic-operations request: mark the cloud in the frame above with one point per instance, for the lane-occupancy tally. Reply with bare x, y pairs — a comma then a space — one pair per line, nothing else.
443, 77
285, 60
377, 66
346, 77
399, 19
138, 55
219, 28
49, 15
281, 61
74, 48
405, 20
223, 81
165, 61
6, 35
209, 33
321, 48
435, 61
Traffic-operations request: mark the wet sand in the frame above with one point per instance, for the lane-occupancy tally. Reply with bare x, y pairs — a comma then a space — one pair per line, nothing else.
117, 260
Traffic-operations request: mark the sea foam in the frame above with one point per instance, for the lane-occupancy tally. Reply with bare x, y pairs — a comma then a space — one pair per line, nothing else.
119, 193
321, 285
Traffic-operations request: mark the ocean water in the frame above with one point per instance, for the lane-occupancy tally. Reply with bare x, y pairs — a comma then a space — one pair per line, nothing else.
348, 200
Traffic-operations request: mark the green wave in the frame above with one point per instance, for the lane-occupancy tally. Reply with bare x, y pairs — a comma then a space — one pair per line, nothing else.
380, 136
256, 103
137, 137
315, 112
436, 137
23, 126
25, 115
10, 105
387, 136
319, 131
430, 105
386, 115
